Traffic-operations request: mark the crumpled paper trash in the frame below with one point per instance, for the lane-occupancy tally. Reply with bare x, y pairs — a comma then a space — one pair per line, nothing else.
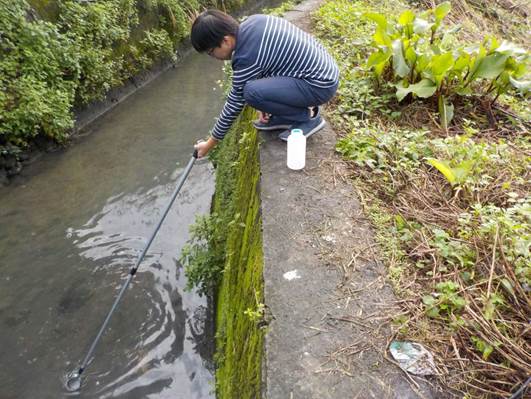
413, 358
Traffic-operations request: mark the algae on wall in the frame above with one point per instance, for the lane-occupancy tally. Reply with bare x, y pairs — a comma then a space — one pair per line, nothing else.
239, 339
225, 255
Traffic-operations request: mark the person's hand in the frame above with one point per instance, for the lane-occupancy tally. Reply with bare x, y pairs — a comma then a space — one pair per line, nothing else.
203, 147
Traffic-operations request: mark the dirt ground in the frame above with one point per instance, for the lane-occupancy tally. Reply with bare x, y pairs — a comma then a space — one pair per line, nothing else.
329, 302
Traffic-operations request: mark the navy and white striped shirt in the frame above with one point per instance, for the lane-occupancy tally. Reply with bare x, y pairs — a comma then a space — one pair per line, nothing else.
268, 46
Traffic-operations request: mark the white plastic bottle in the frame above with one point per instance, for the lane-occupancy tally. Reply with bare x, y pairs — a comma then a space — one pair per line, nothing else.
296, 150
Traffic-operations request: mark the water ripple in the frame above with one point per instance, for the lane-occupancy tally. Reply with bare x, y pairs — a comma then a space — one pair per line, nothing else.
112, 240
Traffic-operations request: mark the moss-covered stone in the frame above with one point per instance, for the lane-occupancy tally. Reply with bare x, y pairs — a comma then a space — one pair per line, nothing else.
239, 340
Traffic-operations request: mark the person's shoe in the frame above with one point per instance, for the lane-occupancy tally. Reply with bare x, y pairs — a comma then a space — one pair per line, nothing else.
274, 123
310, 127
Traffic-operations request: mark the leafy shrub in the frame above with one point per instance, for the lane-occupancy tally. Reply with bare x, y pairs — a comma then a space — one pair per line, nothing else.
157, 45
446, 300
468, 164
452, 252
48, 67
477, 170
35, 69
385, 150
175, 16
508, 226
95, 29
422, 61
202, 255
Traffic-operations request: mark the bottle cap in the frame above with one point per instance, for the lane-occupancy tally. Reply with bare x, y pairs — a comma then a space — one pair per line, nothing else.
296, 131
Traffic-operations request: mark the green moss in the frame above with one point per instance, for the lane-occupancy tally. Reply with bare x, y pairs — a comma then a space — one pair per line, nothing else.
225, 255
239, 340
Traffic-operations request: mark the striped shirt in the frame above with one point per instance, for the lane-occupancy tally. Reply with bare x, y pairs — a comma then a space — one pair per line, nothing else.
268, 46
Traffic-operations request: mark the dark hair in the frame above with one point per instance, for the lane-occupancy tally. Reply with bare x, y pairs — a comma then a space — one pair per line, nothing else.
210, 27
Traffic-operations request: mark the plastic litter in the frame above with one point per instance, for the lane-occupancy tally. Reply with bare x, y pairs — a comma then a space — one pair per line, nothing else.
413, 358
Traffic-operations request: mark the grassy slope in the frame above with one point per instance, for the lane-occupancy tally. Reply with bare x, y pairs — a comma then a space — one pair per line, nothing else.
459, 259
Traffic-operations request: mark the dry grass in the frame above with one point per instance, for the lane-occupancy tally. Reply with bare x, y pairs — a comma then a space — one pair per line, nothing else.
510, 19
428, 200
420, 196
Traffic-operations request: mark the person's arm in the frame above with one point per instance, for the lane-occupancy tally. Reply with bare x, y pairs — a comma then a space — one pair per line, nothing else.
232, 108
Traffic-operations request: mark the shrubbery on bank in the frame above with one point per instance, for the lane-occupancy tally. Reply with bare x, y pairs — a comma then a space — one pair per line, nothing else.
449, 197
58, 55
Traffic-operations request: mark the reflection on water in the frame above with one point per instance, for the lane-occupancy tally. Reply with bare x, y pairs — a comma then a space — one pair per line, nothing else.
73, 225
112, 240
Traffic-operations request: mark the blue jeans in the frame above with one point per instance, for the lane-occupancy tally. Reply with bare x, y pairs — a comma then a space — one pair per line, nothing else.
285, 97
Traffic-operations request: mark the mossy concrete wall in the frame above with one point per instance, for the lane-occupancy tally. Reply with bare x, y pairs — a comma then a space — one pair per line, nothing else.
239, 339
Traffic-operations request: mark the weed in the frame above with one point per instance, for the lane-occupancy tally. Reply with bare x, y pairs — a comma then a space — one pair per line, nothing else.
450, 205
446, 301
202, 254
256, 315
422, 61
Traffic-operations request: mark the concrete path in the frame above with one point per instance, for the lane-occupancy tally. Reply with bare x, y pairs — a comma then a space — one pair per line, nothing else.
329, 303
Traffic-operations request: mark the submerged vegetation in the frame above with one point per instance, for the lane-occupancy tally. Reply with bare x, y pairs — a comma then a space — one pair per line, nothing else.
434, 120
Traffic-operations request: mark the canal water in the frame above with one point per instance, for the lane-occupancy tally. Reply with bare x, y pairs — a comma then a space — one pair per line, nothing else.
74, 223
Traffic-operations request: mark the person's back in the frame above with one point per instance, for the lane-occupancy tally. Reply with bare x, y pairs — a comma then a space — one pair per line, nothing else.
275, 47
278, 69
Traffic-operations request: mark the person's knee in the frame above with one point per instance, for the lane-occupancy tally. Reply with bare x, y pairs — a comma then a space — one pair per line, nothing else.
251, 93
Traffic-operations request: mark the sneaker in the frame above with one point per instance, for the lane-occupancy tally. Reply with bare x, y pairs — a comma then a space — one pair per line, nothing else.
310, 127
274, 123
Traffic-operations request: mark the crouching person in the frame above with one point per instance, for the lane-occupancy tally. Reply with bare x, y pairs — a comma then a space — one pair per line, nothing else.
278, 69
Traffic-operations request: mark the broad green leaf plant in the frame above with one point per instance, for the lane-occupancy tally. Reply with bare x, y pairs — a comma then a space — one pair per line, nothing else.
422, 60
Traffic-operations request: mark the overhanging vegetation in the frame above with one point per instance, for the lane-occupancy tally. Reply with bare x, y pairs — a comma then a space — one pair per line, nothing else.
57, 55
